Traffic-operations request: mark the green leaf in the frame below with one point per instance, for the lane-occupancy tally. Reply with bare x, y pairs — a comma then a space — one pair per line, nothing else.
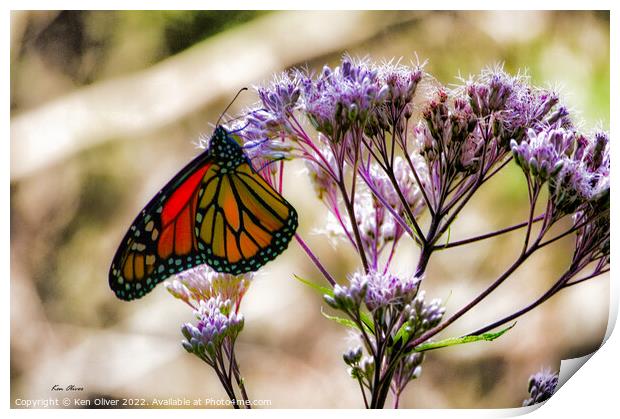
464, 339
365, 317
402, 334
340, 320
367, 320
449, 231
322, 290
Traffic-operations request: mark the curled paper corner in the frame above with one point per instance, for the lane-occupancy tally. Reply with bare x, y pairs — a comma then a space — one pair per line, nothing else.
568, 368
520, 411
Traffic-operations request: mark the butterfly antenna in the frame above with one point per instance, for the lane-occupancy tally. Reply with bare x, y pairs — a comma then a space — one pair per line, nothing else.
229, 105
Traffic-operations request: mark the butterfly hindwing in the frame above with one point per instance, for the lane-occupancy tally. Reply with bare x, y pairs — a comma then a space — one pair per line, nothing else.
242, 222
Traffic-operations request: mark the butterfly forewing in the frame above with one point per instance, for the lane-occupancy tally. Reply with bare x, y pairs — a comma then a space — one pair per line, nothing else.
161, 242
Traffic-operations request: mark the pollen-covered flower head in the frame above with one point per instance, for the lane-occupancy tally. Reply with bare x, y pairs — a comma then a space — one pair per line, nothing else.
492, 92
342, 97
543, 154
385, 289
202, 284
401, 82
584, 176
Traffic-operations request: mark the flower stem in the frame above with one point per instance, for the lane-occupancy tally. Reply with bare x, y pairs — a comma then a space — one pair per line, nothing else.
580, 280
315, 260
562, 283
488, 235
396, 400
240, 383
363, 393
403, 200
432, 332
227, 386
350, 207
387, 206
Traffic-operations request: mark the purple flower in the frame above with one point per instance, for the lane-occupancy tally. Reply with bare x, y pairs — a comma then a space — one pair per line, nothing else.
543, 154
277, 102
598, 162
422, 315
216, 321
281, 97
401, 82
571, 187
342, 97
513, 106
541, 387
491, 92
448, 126
376, 290
584, 176
380, 290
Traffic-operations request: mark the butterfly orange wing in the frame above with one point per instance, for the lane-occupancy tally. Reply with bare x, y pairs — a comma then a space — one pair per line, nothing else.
160, 242
243, 222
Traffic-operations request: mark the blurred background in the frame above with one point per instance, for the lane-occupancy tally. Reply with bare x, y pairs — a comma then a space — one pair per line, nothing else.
106, 107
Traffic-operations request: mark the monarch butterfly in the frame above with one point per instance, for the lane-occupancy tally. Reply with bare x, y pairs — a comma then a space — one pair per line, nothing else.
217, 210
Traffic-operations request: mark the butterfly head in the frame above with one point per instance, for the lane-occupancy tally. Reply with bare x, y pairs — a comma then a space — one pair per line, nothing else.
225, 151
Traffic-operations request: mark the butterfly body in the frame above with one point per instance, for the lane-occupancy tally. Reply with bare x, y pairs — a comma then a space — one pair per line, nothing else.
217, 210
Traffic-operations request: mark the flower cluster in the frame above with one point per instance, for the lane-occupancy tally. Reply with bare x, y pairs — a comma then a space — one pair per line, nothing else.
467, 132
343, 97
271, 119
390, 312
575, 166
402, 82
393, 154
542, 154
421, 315
201, 284
541, 387
585, 174
215, 299
216, 321
376, 290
